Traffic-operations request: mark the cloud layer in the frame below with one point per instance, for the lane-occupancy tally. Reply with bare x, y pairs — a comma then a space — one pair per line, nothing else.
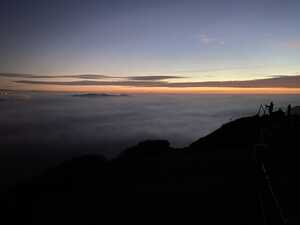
277, 81
89, 77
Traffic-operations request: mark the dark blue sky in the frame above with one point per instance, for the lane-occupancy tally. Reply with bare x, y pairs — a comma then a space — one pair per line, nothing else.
204, 40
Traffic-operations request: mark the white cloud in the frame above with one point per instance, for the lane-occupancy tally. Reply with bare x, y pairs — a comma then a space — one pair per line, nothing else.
207, 40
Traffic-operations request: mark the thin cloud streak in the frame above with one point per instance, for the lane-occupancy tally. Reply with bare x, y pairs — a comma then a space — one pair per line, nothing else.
207, 40
153, 78
275, 82
279, 81
89, 77
98, 83
33, 76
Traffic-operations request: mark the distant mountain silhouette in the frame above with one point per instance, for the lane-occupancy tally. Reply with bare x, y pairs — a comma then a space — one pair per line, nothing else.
95, 95
221, 176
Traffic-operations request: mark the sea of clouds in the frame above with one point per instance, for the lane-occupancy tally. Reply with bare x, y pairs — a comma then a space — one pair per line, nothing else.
38, 130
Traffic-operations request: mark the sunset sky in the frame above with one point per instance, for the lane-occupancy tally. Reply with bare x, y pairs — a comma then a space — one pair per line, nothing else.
150, 46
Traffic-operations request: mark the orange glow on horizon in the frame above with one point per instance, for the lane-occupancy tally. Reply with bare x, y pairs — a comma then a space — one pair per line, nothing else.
159, 90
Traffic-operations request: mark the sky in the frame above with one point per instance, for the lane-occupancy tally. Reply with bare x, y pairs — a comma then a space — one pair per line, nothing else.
168, 40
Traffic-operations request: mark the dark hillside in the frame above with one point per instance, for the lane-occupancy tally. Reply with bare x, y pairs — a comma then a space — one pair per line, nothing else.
223, 175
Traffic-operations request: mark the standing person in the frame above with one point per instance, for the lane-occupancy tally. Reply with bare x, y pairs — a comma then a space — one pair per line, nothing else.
271, 108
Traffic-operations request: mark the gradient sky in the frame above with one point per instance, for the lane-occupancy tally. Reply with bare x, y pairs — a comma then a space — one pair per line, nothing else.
205, 40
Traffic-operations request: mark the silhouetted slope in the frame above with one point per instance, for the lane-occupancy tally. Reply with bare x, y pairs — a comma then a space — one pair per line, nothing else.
239, 133
225, 183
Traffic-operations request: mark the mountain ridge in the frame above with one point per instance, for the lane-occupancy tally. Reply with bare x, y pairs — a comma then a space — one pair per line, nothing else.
219, 170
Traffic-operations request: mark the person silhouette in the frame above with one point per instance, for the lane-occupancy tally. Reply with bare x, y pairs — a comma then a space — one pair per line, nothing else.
271, 108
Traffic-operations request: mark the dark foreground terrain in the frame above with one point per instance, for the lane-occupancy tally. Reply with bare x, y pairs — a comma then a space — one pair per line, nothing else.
246, 172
